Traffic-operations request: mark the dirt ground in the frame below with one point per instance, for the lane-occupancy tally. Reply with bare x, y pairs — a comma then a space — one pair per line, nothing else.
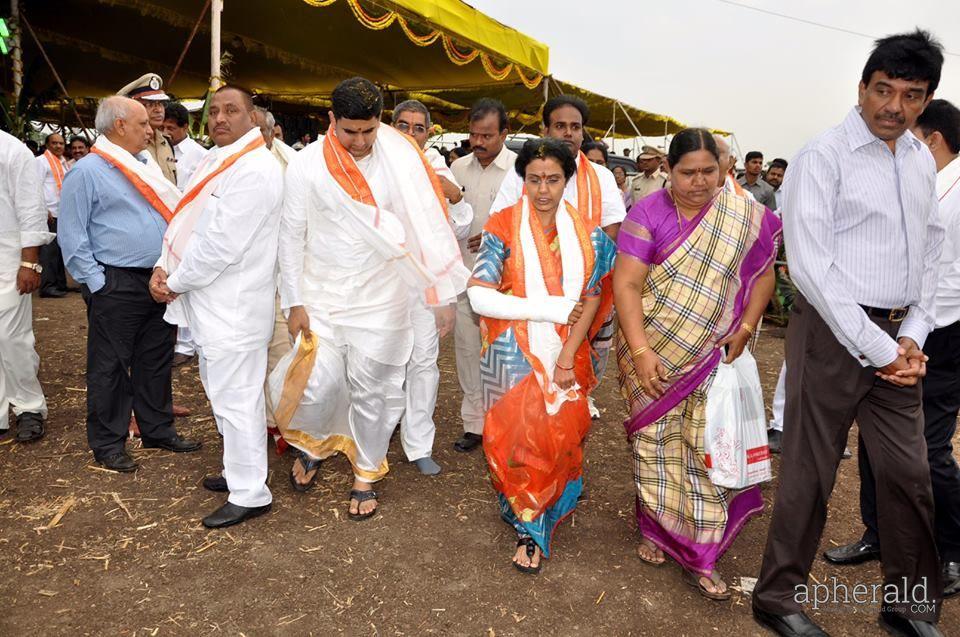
129, 556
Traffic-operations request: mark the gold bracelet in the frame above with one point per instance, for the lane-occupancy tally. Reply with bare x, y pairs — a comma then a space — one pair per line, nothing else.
750, 329
640, 350
566, 369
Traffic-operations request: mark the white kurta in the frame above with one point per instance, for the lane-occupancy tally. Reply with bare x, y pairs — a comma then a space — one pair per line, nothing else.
188, 154
612, 210
51, 194
461, 213
228, 285
359, 307
23, 224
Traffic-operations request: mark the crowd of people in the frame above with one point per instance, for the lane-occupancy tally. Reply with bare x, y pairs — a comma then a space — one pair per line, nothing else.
313, 284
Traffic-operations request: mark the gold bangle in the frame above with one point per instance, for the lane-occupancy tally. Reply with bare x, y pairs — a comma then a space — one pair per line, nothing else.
640, 350
750, 329
566, 369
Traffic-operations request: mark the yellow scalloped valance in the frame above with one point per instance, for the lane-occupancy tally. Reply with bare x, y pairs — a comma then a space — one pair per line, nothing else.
458, 52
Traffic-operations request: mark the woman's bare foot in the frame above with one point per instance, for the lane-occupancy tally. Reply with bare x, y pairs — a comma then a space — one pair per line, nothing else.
525, 561
650, 552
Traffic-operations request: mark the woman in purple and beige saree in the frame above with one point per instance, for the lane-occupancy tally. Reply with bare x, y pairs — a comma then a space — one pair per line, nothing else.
694, 274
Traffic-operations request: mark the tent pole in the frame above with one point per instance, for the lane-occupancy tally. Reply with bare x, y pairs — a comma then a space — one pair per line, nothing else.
613, 127
16, 53
56, 76
216, 9
183, 54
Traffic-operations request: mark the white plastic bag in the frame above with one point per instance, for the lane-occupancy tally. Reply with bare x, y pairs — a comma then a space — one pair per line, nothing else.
735, 440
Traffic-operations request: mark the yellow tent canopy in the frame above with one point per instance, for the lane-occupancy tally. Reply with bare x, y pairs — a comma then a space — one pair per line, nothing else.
278, 47
293, 52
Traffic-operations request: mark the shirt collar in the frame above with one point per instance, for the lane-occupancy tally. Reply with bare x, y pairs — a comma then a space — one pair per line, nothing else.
859, 135
249, 136
501, 161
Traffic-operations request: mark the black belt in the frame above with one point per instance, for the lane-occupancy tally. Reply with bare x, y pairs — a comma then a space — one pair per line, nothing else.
894, 315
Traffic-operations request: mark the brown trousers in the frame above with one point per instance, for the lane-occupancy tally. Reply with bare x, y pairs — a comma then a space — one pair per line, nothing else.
827, 389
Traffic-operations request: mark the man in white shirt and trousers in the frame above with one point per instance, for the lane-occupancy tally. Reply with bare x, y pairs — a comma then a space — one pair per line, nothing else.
417, 429
365, 232
217, 272
480, 173
23, 229
188, 154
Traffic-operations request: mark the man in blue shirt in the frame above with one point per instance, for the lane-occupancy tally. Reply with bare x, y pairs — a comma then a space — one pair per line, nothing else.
111, 237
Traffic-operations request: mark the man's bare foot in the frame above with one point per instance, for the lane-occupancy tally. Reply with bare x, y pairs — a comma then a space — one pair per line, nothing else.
367, 507
650, 552
304, 470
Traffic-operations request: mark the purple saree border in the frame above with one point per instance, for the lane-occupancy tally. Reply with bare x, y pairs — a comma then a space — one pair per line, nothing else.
698, 557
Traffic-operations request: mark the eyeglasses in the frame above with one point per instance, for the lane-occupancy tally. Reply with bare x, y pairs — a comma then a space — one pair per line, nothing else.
405, 127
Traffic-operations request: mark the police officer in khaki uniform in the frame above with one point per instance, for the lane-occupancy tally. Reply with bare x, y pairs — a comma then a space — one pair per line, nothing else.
148, 90
650, 178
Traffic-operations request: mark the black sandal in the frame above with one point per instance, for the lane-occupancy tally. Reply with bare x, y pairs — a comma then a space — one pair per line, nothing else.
309, 464
531, 552
29, 427
361, 497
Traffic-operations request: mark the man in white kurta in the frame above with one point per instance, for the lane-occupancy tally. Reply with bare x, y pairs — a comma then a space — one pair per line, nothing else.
418, 429
23, 229
53, 167
220, 253
363, 234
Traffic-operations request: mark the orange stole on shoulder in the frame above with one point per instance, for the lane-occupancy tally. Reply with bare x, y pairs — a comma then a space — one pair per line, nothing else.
531, 456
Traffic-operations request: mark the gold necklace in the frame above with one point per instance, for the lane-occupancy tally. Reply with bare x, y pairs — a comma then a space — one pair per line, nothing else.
676, 207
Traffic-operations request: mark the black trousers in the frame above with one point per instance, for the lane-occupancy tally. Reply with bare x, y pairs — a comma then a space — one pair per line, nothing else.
54, 275
941, 404
129, 362
827, 389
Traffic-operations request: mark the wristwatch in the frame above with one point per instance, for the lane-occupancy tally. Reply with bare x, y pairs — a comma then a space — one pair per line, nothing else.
36, 267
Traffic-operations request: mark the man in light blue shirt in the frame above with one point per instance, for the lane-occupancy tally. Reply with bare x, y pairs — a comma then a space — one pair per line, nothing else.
111, 238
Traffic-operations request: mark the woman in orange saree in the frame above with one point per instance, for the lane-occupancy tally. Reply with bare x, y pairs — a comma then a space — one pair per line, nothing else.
536, 287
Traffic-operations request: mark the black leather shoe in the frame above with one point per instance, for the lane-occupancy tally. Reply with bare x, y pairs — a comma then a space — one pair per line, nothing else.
775, 440
121, 462
53, 294
855, 553
29, 427
795, 625
173, 443
951, 578
230, 514
468, 442
903, 627
215, 483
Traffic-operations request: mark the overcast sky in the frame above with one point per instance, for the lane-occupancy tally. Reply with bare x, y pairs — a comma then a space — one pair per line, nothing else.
775, 82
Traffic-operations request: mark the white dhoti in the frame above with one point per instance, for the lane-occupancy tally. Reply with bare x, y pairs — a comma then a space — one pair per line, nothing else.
466, 334
417, 430
779, 400
19, 362
234, 384
185, 344
350, 405
279, 345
